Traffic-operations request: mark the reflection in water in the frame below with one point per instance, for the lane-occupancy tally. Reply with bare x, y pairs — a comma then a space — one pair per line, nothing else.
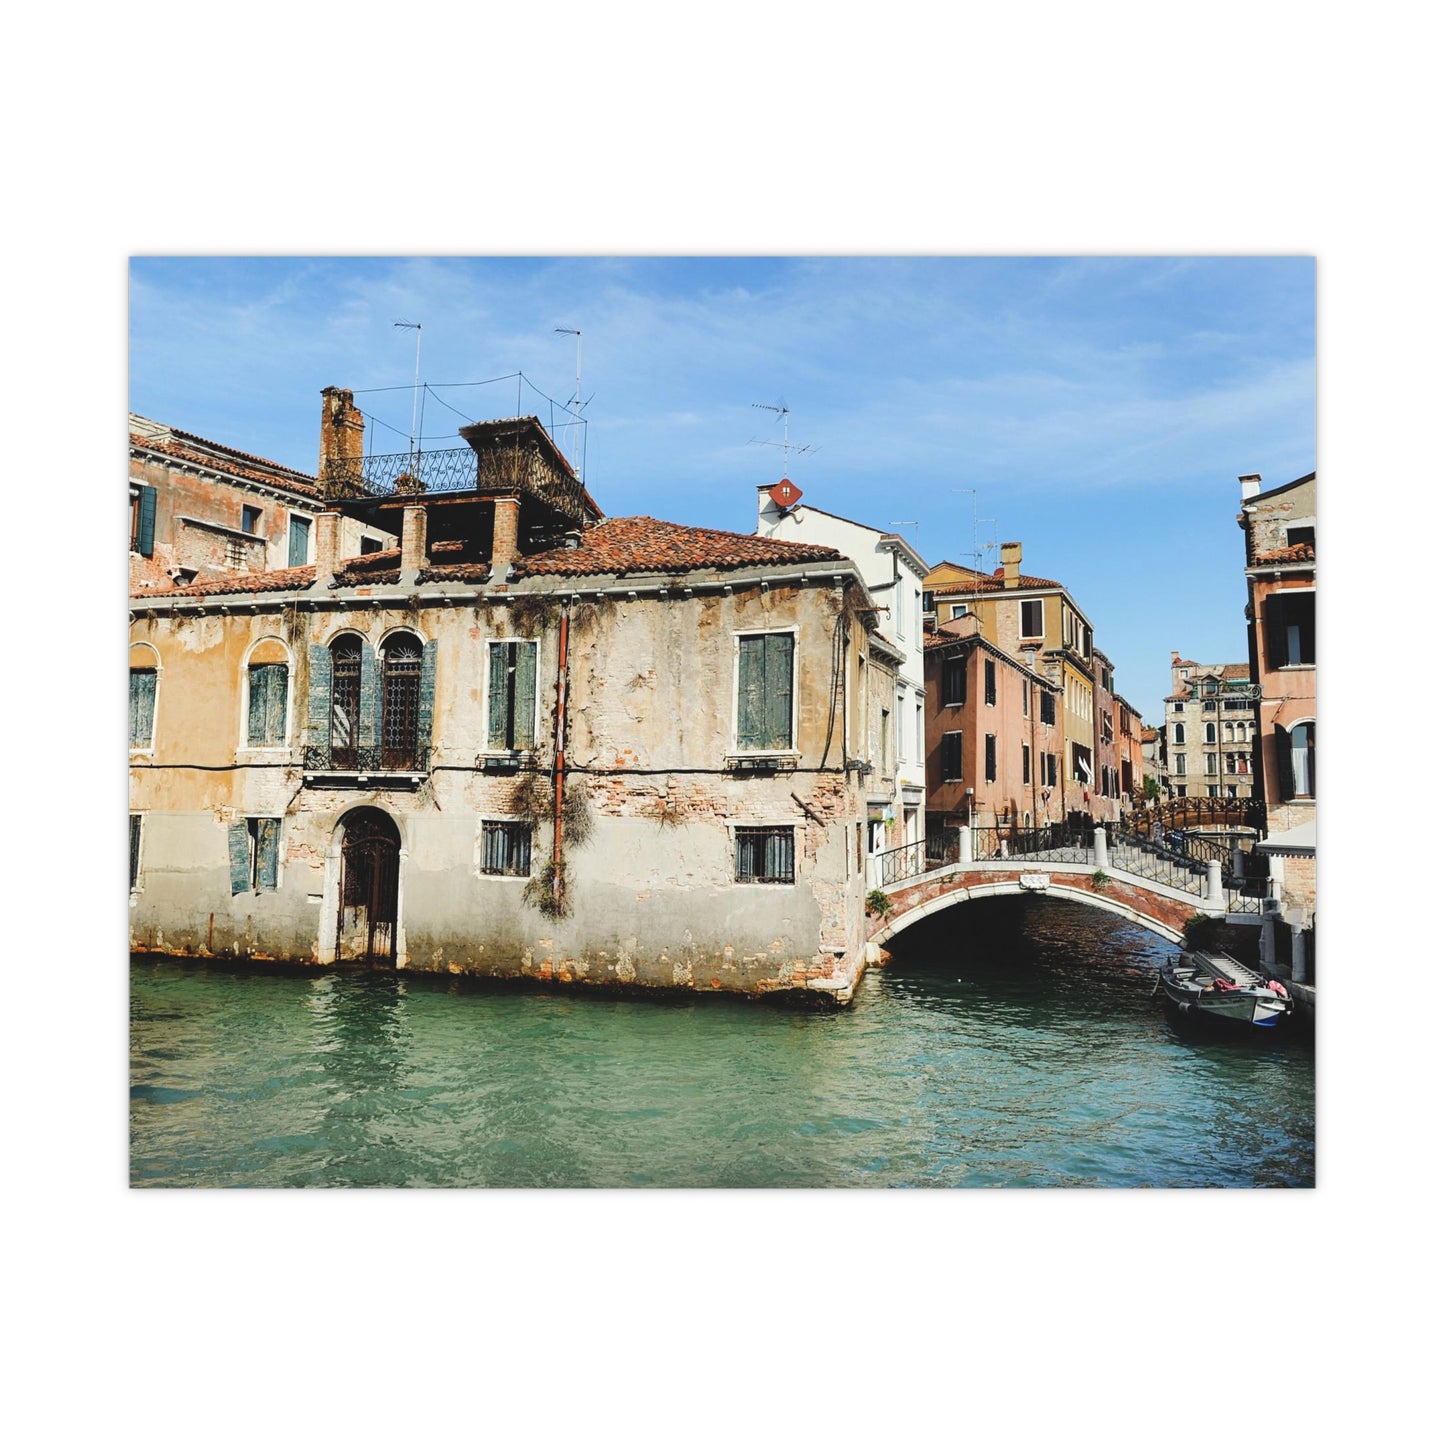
1011, 1045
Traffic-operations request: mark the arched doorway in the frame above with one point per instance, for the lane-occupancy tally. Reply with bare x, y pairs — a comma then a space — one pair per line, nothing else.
366, 911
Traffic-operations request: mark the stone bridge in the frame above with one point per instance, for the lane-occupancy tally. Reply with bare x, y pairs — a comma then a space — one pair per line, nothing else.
1149, 885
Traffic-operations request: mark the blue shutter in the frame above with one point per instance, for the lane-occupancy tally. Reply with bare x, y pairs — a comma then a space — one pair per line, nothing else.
268, 850
238, 842
426, 701
142, 707
318, 707
145, 531
369, 729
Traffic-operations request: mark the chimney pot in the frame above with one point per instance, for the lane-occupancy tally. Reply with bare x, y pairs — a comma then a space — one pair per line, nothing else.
1011, 554
1249, 486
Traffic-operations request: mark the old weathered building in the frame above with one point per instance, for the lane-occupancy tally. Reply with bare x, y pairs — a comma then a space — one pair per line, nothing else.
893, 573
1210, 721
1036, 621
526, 742
200, 510
994, 730
1279, 541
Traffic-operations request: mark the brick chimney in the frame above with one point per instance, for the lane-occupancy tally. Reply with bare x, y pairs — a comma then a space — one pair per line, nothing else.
1249, 486
343, 432
328, 547
1011, 554
413, 542
504, 536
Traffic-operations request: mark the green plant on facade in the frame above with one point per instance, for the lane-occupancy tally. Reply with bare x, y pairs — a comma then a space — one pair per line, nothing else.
546, 891
879, 902
1099, 880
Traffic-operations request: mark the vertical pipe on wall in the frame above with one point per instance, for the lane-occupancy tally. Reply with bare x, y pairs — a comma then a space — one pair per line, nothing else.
559, 757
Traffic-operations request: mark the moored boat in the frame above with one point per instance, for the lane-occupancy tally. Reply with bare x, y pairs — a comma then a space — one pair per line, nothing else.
1214, 988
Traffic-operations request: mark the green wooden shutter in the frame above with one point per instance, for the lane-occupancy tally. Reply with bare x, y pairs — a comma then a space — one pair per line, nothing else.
238, 842
145, 532
497, 696
778, 690
524, 705
268, 850
256, 712
318, 706
142, 707
750, 691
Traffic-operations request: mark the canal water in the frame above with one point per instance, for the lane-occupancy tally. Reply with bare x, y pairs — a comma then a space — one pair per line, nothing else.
1009, 1043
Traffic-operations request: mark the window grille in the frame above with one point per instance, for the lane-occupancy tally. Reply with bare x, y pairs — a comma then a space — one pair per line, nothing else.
764, 855
507, 849
400, 702
345, 701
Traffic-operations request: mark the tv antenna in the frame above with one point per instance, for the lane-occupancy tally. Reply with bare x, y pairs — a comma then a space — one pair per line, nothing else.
416, 380
782, 410
577, 396
977, 553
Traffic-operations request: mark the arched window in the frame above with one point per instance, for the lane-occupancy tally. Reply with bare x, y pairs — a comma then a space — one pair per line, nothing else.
345, 700
1179, 733
400, 701
1209, 732
268, 691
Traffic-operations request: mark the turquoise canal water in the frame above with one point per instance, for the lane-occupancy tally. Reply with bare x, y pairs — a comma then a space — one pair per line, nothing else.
1015, 1043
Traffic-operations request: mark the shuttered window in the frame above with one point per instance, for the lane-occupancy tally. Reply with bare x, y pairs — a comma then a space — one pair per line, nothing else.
765, 691
1046, 708
266, 713
512, 695
507, 849
1031, 618
990, 682
955, 684
143, 520
299, 542
134, 850
764, 855
142, 706
990, 758
255, 851
953, 757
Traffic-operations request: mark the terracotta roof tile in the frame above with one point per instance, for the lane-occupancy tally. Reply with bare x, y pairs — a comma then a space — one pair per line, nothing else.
1297, 552
643, 544
285, 580
227, 459
983, 582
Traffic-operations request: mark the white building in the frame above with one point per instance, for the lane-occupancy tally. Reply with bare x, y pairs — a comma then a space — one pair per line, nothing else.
894, 575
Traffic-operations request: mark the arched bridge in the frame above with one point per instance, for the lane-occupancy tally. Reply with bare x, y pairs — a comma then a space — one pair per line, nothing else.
1159, 885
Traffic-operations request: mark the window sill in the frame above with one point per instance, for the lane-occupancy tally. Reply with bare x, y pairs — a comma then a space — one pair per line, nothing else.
407, 782
777, 762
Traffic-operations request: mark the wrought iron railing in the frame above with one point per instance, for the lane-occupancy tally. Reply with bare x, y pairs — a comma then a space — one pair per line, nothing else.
912, 860
1053, 843
326, 758
397, 473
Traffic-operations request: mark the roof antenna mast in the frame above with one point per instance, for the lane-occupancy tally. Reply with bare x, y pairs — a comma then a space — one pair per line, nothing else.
415, 383
577, 396
782, 410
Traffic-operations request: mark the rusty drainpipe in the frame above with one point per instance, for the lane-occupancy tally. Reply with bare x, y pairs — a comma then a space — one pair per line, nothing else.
558, 759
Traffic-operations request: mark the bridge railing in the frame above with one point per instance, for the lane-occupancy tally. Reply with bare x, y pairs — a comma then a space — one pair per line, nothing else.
912, 860
1053, 843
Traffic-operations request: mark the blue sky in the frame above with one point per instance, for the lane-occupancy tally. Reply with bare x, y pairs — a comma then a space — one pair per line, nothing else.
1101, 408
